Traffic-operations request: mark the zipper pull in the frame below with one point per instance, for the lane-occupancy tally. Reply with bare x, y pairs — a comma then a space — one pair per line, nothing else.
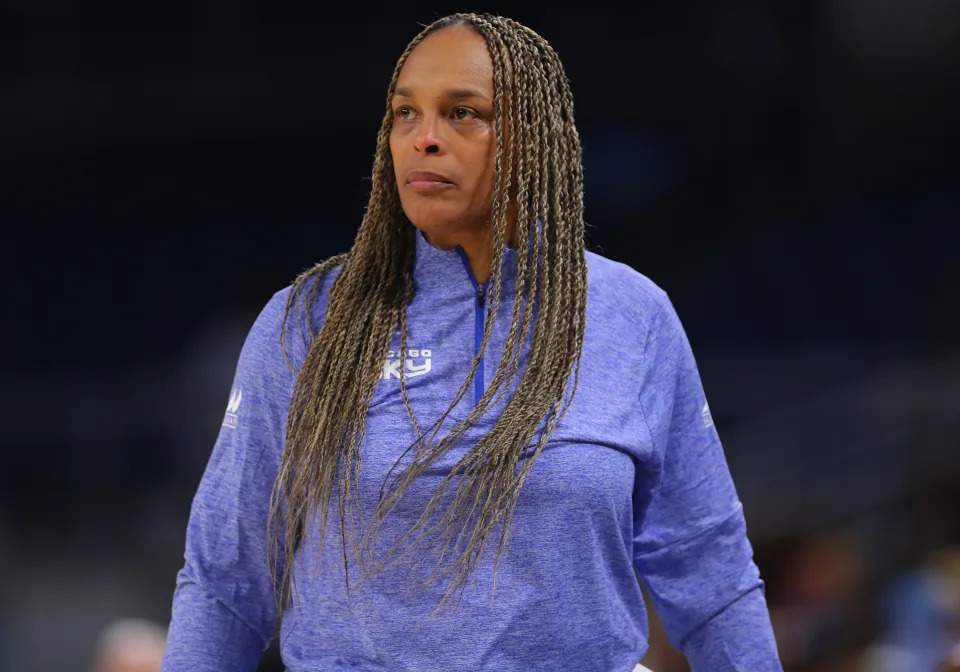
480, 295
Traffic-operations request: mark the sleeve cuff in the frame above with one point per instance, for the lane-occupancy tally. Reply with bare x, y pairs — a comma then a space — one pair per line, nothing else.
738, 639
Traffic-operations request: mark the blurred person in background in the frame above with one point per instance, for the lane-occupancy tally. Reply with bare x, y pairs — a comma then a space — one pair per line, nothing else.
919, 606
130, 645
921, 618
476, 194
952, 663
817, 604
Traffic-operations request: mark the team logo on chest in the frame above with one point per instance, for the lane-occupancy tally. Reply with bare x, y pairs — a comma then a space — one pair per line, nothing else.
416, 363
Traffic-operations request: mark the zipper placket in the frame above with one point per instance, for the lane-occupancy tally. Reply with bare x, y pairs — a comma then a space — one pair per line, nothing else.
480, 294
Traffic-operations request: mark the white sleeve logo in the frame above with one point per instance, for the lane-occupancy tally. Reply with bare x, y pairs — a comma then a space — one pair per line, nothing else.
233, 405
705, 413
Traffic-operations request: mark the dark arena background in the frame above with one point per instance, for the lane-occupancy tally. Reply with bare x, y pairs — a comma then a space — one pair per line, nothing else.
785, 170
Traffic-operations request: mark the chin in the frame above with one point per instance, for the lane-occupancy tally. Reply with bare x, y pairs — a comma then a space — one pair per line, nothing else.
432, 221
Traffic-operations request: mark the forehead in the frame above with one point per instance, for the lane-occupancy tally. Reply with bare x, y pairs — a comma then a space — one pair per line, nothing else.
453, 56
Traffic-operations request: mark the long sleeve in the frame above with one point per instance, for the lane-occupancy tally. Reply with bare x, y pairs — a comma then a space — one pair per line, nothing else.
690, 542
223, 614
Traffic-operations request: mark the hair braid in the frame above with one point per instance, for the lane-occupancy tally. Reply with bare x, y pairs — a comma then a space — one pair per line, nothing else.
538, 173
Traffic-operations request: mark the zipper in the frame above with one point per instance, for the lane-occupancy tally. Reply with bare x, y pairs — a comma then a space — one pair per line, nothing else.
478, 383
479, 304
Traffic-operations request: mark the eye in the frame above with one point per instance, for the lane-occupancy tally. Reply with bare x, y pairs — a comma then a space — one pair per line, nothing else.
463, 113
403, 112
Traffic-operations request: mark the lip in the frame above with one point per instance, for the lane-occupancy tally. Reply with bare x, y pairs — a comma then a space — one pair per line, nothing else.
427, 180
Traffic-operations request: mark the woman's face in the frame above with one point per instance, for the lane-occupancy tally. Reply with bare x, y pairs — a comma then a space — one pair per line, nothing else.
443, 139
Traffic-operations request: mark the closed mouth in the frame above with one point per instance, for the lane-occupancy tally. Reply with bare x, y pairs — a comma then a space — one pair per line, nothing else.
427, 176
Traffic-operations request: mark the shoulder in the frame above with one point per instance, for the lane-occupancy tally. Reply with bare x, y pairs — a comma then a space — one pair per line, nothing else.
308, 293
619, 293
293, 315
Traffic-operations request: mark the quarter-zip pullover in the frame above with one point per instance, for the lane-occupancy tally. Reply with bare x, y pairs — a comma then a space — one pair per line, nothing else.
633, 479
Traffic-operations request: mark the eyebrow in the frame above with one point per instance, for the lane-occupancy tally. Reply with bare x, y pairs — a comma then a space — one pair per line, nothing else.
452, 94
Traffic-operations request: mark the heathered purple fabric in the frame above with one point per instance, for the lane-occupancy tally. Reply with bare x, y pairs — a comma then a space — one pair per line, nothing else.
634, 479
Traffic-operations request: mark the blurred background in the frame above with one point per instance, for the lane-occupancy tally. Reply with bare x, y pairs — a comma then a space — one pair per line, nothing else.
785, 170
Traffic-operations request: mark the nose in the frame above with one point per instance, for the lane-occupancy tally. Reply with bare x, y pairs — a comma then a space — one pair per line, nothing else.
428, 140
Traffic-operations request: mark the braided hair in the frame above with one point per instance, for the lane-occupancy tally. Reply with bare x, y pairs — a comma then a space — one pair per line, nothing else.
539, 176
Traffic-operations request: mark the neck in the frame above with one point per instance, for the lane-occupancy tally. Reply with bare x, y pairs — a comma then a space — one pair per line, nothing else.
477, 243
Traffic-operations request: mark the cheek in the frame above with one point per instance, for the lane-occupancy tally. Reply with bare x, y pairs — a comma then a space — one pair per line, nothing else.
394, 157
484, 158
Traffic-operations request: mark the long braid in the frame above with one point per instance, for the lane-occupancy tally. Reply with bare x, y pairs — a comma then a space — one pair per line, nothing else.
539, 174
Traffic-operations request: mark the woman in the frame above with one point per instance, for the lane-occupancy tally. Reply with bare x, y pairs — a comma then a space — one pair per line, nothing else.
468, 339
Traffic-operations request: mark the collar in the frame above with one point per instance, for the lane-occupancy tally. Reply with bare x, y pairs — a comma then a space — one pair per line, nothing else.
448, 272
